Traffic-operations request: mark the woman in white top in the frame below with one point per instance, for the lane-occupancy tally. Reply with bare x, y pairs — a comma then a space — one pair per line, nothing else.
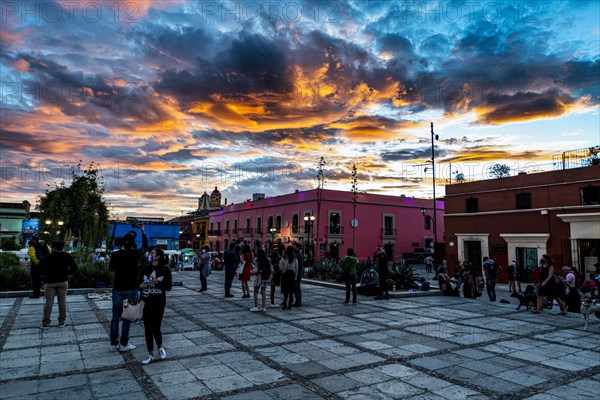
289, 270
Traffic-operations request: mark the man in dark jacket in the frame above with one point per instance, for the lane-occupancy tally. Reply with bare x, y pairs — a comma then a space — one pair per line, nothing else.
231, 261
380, 259
298, 289
124, 263
56, 267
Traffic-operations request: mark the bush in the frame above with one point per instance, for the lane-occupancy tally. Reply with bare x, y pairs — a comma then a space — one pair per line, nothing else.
94, 274
403, 276
13, 276
327, 268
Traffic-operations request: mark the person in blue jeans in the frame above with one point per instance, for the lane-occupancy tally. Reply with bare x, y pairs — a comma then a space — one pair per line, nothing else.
124, 263
490, 269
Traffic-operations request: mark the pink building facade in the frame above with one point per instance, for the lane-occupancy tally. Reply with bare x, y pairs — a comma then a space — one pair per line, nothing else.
398, 223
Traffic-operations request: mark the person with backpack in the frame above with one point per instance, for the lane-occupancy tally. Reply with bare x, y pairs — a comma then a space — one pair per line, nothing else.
349, 264
261, 281
231, 261
547, 286
36, 252
490, 268
289, 269
124, 263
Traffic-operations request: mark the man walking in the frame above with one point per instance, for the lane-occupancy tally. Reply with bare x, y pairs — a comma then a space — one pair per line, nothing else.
297, 287
428, 264
381, 260
124, 263
490, 268
56, 267
231, 261
36, 252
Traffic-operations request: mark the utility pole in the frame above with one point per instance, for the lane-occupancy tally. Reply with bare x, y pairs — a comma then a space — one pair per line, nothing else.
354, 197
320, 184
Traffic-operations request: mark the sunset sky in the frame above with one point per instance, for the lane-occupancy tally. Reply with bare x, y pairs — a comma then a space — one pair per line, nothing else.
172, 98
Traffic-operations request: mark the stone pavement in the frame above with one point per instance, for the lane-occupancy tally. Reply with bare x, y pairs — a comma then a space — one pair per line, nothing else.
418, 348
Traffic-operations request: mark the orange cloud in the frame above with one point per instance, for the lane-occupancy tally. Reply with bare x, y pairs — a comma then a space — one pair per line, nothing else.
21, 65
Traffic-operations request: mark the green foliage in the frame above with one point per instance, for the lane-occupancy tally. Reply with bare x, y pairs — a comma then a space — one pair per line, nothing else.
79, 206
403, 276
8, 260
326, 268
335, 272
499, 170
93, 274
13, 275
594, 156
459, 177
10, 244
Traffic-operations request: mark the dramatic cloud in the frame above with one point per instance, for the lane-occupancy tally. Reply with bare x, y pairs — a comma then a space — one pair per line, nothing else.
172, 98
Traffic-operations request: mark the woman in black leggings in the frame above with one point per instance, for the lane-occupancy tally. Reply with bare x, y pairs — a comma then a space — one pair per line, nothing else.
155, 280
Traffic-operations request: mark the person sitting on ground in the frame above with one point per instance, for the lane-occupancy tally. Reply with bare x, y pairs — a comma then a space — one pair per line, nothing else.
368, 282
423, 285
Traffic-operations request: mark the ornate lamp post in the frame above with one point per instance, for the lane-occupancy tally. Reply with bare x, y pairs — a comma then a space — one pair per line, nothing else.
272, 230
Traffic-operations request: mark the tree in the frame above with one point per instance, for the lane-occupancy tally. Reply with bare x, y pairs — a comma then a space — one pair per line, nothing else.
593, 156
80, 208
459, 177
499, 170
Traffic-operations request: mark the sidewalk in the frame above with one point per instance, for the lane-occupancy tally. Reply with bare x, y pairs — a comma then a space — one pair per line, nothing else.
419, 348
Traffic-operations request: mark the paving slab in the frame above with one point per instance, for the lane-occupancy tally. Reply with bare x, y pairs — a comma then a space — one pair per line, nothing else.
425, 348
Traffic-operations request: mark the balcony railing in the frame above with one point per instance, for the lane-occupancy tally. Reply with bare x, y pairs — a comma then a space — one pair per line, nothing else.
335, 230
214, 232
388, 232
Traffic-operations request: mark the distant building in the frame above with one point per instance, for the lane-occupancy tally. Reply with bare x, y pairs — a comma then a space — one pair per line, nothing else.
161, 234
522, 217
194, 226
12, 216
394, 222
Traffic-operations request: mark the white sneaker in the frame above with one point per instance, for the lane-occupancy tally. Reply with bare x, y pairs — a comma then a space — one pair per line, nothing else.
273, 305
255, 309
162, 353
262, 309
114, 347
129, 347
149, 358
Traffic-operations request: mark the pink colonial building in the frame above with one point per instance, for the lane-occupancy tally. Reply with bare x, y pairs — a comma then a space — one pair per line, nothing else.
325, 219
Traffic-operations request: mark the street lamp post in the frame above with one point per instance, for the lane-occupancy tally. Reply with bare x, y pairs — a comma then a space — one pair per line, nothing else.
436, 137
272, 230
51, 227
309, 220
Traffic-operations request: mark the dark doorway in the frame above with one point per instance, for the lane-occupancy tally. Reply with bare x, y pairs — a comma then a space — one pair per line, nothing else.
472, 253
334, 251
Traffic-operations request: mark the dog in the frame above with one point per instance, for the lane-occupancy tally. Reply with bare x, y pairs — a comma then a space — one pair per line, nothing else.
527, 299
589, 307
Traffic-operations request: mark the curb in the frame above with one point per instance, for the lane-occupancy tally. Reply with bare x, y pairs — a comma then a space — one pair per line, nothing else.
393, 295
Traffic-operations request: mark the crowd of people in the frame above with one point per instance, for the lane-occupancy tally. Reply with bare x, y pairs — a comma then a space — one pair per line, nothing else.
564, 287
144, 274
